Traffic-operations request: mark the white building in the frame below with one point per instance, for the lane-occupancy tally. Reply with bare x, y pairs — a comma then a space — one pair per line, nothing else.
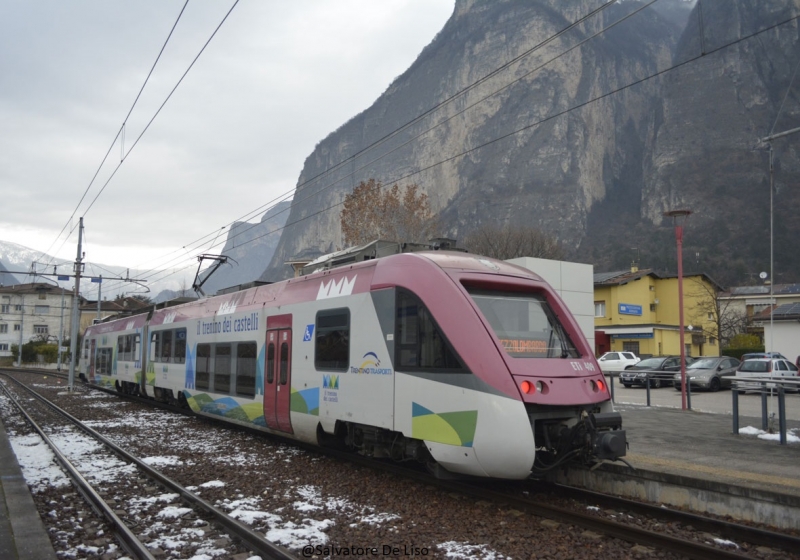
33, 312
782, 333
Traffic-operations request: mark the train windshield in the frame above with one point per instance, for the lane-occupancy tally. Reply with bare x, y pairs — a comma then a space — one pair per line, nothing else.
525, 324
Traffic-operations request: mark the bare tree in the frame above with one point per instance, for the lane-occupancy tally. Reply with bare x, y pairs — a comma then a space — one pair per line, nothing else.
510, 242
372, 212
720, 318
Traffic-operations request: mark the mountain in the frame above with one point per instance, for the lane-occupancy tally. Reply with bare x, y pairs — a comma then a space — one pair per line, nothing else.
6, 279
590, 137
14, 257
249, 248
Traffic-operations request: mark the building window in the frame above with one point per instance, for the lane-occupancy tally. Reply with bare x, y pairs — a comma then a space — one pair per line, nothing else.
3, 347
631, 346
3, 329
41, 309
599, 309
39, 329
16, 328
652, 307
18, 307
332, 343
5, 308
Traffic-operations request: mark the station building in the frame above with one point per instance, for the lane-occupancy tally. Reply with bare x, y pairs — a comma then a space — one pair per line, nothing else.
637, 311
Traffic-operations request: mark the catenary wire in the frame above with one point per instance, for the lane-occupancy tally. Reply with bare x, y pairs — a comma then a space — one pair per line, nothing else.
416, 119
114, 141
532, 125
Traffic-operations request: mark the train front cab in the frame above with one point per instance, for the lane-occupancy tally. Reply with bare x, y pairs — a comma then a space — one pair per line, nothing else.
501, 331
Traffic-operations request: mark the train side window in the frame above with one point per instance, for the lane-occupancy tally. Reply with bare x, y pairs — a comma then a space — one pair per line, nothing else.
155, 347
180, 346
246, 369
271, 362
166, 346
103, 361
222, 368
332, 343
137, 347
203, 366
419, 343
121, 348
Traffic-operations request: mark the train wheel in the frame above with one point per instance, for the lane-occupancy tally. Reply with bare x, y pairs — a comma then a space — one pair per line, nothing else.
182, 402
118, 387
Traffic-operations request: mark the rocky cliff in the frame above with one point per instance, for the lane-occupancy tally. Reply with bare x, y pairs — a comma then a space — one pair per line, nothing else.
512, 115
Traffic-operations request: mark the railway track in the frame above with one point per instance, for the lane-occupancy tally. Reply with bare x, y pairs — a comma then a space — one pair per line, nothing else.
54, 424
589, 516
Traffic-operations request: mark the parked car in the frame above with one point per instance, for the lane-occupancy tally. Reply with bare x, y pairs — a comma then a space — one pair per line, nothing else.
764, 367
753, 355
659, 368
617, 361
711, 374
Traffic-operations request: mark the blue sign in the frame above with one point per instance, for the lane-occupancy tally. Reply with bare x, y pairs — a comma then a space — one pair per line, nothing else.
309, 333
97, 280
629, 309
634, 335
61, 278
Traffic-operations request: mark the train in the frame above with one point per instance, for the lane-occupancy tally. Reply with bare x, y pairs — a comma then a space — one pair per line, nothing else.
469, 365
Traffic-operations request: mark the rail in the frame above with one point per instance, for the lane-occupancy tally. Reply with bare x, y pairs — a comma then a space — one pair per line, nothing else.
766, 386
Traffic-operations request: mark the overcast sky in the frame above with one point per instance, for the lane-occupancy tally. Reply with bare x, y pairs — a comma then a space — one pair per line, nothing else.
277, 78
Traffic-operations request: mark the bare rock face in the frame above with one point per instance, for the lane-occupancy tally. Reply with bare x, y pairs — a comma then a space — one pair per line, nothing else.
512, 115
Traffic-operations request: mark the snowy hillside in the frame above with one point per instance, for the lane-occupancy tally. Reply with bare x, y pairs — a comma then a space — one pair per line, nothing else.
19, 259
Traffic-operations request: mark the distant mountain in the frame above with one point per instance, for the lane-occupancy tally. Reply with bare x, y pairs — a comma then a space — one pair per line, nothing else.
7, 279
249, 248
14, 257
591, 144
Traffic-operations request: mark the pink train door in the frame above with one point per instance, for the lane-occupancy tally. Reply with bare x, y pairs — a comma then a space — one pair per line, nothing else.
278, 374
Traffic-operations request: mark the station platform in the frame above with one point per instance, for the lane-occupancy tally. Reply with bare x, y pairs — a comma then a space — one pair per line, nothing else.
22, 533
692, 460
702, 445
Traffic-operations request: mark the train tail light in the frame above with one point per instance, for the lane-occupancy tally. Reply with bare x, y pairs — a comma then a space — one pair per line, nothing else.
527, 387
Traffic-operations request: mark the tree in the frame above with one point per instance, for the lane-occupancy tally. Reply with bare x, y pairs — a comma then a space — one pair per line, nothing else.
396, 214
722, 319
510, 242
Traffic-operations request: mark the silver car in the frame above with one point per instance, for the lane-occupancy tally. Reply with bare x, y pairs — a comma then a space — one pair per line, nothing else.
711, 374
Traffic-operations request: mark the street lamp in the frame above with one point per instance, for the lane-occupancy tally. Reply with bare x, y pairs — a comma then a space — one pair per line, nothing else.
678, 217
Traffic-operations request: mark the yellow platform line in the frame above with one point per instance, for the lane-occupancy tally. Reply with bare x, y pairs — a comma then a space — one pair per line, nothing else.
684, 467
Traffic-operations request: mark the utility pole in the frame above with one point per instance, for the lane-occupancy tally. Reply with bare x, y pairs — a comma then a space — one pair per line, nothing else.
21, 327
768, 141
75, 329
99, 294
60, 330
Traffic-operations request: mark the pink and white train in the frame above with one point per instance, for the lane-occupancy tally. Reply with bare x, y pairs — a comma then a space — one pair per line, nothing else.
471, 365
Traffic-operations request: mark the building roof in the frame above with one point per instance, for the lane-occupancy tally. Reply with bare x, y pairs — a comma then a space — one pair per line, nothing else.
32, 288
621, 277
762, 290
785, 312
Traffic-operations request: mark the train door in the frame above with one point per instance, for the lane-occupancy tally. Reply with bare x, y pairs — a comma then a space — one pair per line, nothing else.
278, 374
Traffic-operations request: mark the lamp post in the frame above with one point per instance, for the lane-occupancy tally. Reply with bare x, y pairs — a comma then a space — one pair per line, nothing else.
678, 217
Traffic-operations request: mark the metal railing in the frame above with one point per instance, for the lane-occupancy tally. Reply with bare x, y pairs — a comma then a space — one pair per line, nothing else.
766, 386
665, 378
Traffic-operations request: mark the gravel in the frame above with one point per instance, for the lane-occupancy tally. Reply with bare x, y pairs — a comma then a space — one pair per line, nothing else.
316, 506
